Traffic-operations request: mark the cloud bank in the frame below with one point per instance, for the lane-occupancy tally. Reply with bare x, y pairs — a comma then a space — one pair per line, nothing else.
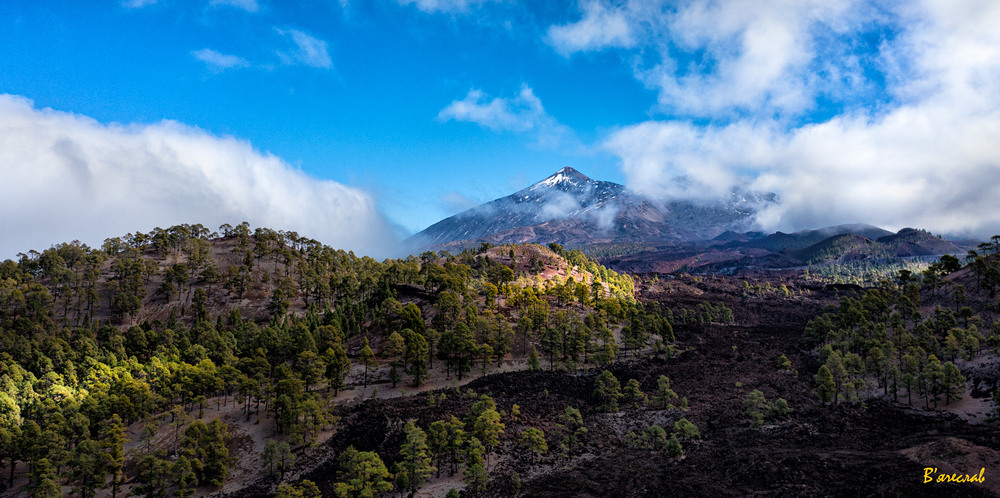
885, 113
69, 177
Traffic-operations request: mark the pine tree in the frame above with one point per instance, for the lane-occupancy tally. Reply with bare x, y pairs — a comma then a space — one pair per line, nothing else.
362, 474
88, 469
416, 356
533, 364
392, 350
686, 429
488, 429
475, 467
533, 441
825, 388
954, 382
633, 394
113, 442
664, 394
183, 477
338, 366
416, 463
607, 389
367, 359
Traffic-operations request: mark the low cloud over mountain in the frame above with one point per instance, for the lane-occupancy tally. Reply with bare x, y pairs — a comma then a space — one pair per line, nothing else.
70, 177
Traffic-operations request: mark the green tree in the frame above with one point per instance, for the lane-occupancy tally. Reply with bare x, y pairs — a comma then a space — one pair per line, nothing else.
456, 441
783, 362
42, 480
270, 455
686, 429
464, 348
367, 359
88, 468
933, 379
533, 441
954, 382
338, 366
205, 446
664, 394
633, 394
488, 429
674, 448
825, 388
183, 477
284, 458
393, 351
571, 429
309, 366
756, 406
475, 467
416, 356
362, 475
655, 438
306, 489
608, 391
416, 463
152, 476
437, 443
113, 442
533, 364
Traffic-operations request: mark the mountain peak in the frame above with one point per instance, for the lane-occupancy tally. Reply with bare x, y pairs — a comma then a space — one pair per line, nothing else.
565, 175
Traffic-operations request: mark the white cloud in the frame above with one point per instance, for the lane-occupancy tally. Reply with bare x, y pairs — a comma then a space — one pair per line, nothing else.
656, 154
599, 28
758, 57
522, 113
247, 5
218, 61
706, 57
137, 4
310, 50
558, 205
456, 202
452, 6
929, 157
69, 177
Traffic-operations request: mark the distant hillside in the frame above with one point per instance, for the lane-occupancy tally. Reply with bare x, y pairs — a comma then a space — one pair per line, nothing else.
833, 250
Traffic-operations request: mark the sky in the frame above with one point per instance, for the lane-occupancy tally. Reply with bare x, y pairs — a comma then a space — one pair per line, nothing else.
358, 123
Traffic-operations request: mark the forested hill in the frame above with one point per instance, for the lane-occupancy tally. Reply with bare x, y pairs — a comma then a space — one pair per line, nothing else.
152, 325
143, 276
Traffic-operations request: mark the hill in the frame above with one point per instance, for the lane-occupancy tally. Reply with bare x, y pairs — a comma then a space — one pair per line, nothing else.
151, 336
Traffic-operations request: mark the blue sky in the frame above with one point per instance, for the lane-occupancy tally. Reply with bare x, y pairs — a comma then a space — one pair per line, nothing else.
361, 122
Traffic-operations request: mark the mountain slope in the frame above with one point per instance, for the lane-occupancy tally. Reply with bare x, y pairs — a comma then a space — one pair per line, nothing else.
570, 208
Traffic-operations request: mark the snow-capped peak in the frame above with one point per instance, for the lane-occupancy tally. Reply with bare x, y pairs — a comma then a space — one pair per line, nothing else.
565, 175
